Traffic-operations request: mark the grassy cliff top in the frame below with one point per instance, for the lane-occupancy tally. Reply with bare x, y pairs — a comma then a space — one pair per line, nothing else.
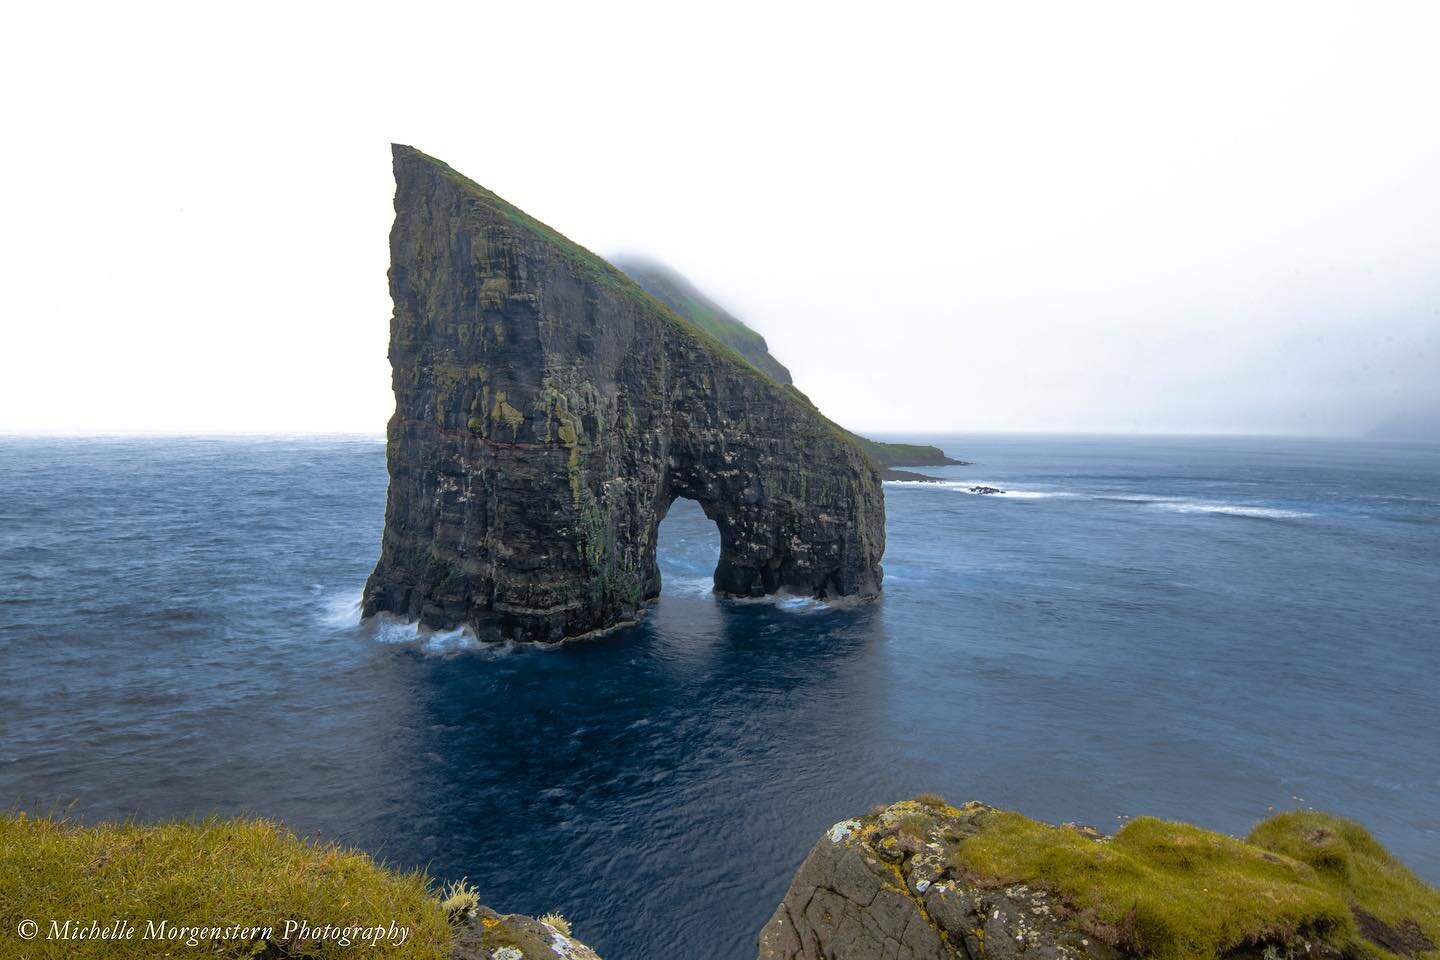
1178, 892
904, 454
210, 873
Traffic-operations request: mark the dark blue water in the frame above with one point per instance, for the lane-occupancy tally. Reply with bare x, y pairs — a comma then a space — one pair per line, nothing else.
1199, 629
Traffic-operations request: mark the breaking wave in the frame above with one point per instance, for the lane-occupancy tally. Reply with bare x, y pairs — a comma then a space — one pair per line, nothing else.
386, 629
1231, 510
342, 610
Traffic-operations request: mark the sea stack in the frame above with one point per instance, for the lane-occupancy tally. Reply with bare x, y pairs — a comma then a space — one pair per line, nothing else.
548, 412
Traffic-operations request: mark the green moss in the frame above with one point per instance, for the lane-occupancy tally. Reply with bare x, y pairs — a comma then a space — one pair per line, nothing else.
916, 824
503, 412
493, 291
613, 577
594, 537
1349, 861
1167, 890
214, 872
569, 434
530, 942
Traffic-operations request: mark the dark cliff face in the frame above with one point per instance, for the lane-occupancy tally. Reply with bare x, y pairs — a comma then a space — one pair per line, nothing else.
549, 411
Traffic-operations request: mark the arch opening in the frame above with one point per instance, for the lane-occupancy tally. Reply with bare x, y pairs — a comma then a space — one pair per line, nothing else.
687, 549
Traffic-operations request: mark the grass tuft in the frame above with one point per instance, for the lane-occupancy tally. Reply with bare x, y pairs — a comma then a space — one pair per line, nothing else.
558, 921
459, 899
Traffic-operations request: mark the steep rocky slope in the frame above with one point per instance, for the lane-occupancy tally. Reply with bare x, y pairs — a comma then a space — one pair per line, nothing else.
682, 296
549, 411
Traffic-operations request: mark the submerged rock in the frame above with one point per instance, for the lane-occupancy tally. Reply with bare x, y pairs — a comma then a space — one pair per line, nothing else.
547, 413
908, 476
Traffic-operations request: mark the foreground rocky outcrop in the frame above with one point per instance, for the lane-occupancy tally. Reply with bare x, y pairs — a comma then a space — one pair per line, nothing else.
924, 880
549, 411
873, 889
483, 934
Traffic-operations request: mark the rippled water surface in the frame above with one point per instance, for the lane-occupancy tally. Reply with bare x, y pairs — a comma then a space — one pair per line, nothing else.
1200, 629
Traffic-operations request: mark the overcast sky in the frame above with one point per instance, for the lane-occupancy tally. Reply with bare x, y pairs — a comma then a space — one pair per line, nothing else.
1200, 217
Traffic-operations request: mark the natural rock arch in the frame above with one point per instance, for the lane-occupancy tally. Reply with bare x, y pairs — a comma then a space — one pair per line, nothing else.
548, 411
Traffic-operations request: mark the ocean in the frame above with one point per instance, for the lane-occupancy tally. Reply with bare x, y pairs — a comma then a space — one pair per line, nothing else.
1200, 629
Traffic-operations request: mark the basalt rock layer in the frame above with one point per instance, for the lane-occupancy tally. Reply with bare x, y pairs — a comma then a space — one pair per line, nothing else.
547, 413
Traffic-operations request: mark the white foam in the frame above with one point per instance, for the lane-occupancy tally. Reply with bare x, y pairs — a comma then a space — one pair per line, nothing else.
387, 629
452, 641
1231, 510
342, 610
690, 586
1174, 504
799, 604
1030, 494
788, 602
969, 486
1137, 498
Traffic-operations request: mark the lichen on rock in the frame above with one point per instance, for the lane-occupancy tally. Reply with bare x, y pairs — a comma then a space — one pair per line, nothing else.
548, 411
487, 935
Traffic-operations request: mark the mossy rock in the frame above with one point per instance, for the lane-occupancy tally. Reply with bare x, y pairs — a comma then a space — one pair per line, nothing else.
492, 936
993, 883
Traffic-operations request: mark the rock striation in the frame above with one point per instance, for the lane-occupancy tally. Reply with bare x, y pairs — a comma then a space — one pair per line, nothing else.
547, 413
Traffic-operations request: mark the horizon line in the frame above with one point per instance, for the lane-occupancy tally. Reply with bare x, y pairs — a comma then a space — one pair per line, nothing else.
8, 434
